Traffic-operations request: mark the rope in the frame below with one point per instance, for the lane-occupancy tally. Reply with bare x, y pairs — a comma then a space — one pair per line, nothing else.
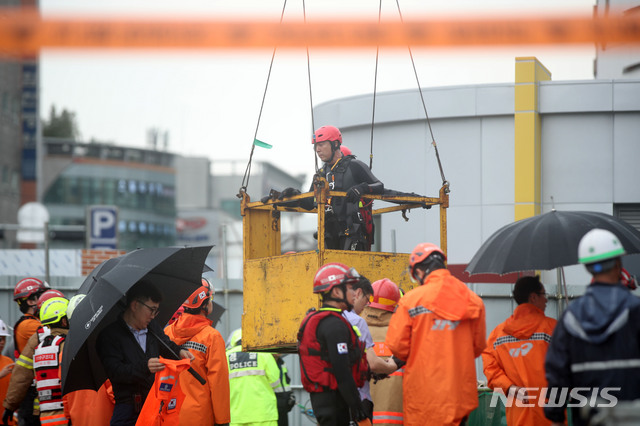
313, 126
424, 106
375, 86
247, 171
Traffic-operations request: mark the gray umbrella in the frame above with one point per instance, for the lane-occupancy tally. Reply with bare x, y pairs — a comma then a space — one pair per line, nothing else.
546, 241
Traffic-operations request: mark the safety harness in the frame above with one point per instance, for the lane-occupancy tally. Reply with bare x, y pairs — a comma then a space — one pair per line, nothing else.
314, 361
357, 216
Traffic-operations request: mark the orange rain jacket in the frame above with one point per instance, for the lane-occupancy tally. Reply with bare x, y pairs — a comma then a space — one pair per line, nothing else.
86, 407
439, 329
515, 354
208, 404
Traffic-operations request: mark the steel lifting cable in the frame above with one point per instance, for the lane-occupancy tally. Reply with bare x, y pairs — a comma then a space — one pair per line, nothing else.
313, 127
247, 171
424, 106
375, 86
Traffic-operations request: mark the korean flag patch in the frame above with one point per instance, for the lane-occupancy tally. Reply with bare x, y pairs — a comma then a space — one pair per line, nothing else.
342, 348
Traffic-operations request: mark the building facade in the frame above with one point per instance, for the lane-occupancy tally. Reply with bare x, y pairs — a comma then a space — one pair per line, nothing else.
140, 183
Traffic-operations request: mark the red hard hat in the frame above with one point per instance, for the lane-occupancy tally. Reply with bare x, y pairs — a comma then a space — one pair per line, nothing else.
345, 150
386, 295
48, 294
197, 297
420, 253
27, 287
333, 274
327, 133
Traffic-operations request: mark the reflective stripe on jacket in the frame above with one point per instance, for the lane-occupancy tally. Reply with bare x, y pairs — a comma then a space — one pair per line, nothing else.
209, 404
46, 363
515, 355
253, 378
22, 376
439, 329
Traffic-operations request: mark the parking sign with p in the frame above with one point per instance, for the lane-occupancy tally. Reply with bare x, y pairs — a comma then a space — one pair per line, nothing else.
102, 232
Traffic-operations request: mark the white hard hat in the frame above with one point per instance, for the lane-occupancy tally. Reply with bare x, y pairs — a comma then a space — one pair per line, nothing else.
597, 246
73, 303
4, 330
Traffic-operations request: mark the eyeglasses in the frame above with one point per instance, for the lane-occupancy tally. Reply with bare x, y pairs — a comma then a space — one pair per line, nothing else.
154, 311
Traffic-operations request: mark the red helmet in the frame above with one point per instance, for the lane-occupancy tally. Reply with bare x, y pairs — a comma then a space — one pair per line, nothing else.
327, 133
333, 274
198, 297
386, 295
345, 150
420, 254
628, 280
28, 287
48, 294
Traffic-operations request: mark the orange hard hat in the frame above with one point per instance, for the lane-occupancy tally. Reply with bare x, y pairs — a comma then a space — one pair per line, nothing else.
345, 150
198, 297
420, 254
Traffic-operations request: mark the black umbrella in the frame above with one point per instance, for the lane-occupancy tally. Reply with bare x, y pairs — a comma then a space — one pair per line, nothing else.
105, 267
216, 314
175, 271
546, 241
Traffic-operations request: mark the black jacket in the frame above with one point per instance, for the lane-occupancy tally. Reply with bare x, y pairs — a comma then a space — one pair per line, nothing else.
596, 344
124, 361
345, 218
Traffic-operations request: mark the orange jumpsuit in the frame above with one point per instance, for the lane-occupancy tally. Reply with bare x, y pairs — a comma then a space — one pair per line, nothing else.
439, 329
515, 354
208, 404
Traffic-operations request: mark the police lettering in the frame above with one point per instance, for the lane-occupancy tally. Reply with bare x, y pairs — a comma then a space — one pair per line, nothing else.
243, 364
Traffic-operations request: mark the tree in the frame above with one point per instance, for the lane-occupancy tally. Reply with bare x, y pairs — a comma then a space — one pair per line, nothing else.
61, 126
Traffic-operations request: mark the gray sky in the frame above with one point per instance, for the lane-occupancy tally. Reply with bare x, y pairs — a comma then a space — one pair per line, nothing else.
209, 101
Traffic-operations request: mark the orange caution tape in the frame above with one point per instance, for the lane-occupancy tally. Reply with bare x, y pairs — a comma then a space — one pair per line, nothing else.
24, 31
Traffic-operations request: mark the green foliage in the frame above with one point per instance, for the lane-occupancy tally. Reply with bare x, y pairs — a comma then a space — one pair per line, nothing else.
60, 126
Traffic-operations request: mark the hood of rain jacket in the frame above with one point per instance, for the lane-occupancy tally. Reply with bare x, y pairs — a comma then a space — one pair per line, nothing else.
450, 298
525, 321
603, 310
187, 326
